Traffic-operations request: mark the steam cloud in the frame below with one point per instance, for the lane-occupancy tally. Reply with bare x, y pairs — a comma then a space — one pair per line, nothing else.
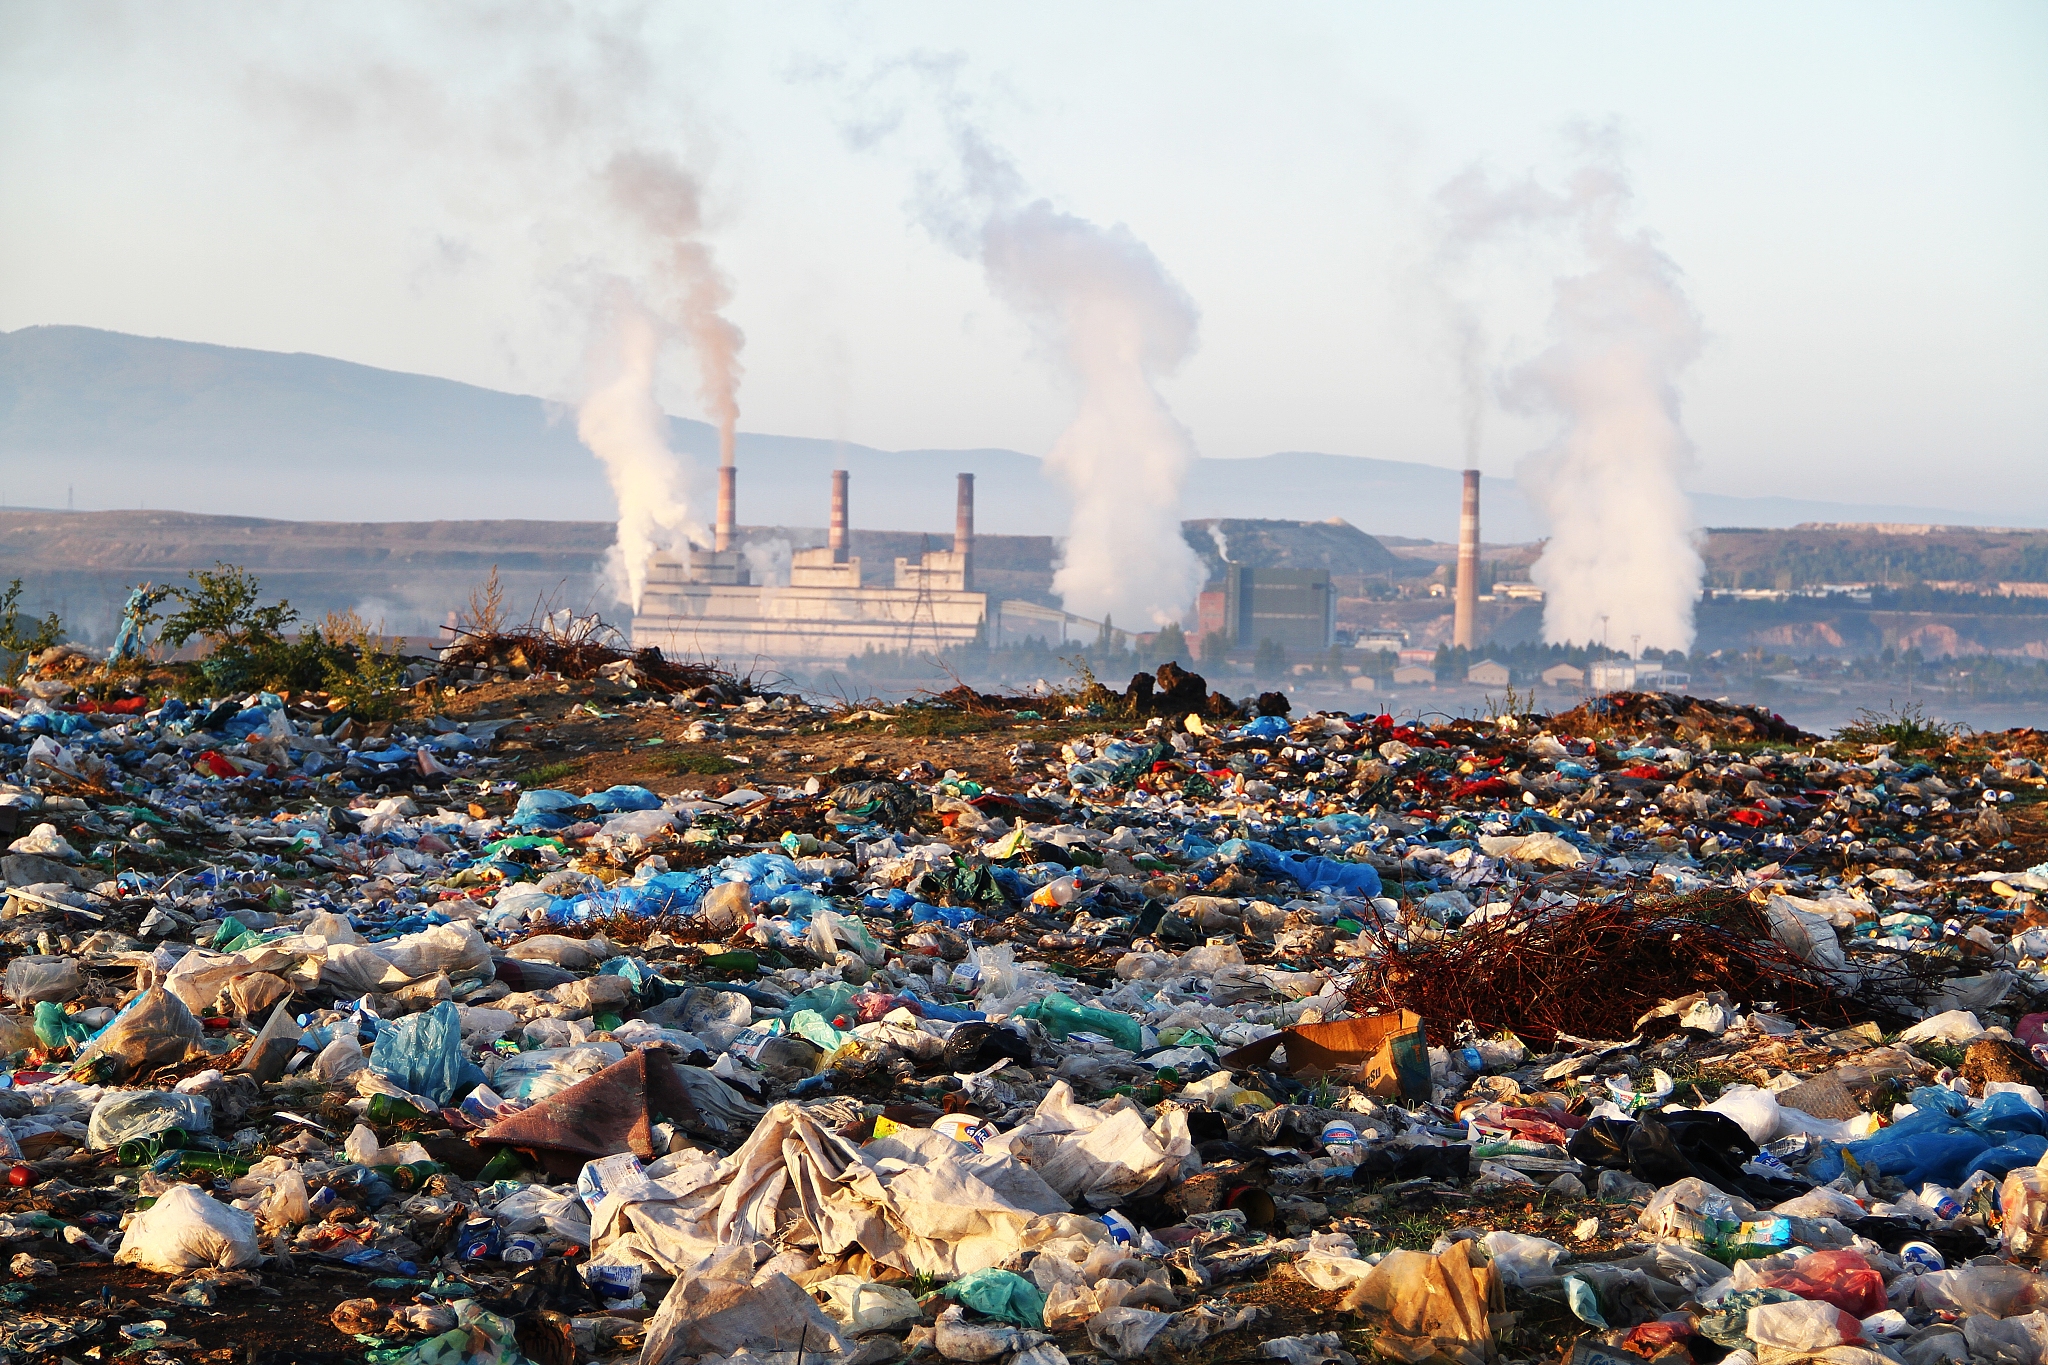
1622, 563
1116, 323
620, 420
664, 200
625, 428
571, 137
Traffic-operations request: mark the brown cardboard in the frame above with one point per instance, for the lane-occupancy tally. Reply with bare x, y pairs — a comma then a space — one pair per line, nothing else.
1375, 1052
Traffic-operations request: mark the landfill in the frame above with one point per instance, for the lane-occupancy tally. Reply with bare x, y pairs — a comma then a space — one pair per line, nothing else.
580, 1014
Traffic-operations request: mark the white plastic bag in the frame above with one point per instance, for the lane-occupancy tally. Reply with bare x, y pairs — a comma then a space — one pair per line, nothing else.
187, 1230
30, 979
1522, 1261
864, 1306
124, 1114
1756, 1110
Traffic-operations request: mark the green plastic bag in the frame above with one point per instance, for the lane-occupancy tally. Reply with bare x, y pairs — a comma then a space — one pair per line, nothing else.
55, 1028
1000, 1294
1062, 1016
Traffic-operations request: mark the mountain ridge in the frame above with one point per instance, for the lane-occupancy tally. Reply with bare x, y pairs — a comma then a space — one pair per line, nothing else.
207, 428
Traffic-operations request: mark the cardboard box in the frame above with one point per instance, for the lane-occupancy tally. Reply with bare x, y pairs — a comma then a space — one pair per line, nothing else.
1382, 1054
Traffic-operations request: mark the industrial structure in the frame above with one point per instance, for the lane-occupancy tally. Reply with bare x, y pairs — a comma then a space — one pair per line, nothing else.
704, 604
1293, 608
1465, 613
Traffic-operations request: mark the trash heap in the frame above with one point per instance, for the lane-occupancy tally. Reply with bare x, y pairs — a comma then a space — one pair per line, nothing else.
1101, 1025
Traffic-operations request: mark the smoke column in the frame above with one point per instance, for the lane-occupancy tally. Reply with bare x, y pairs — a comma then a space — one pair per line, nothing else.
626, 429
1106, 312
1622, 561
663, 200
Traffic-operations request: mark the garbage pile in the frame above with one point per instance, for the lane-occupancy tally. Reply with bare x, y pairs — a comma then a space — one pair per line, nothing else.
1040, 1028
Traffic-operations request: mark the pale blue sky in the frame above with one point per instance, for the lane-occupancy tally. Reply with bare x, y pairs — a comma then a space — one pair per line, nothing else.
1857, 194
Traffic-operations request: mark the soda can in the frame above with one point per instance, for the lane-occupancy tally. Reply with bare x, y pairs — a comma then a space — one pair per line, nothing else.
613, 1281
477, 1240
520, 1248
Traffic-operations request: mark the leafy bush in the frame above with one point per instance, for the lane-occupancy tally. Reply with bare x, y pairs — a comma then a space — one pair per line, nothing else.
248, 649
1907, 728
22, 636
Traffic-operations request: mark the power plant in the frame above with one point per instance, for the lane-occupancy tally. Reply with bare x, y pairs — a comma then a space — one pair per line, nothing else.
704, 604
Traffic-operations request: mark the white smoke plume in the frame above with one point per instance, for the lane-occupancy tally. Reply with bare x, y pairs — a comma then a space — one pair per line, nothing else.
579, 132
665, 201
768, 561
626, 430
1622, 564
1107, 314
1102, 303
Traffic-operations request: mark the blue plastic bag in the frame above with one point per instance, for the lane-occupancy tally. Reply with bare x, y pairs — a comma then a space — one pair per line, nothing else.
540, 809
1312, 873
423, 1053
616, 800
1265, 727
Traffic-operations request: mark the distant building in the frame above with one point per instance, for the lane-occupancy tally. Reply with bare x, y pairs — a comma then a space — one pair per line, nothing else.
1612, 675
1418, 656
1389, 642
1364, 683
1518, 592
1488, 673
1294, 608
1564, 675
1623, 675
1408, 675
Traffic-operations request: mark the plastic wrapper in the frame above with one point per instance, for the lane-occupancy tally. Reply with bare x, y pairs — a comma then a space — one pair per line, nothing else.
30, 979
422, 1053
123, 1115
152, 1030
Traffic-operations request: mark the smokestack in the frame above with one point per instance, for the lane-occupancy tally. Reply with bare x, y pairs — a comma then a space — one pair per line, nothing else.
963, 530
836, 536
724, 536
1464, 623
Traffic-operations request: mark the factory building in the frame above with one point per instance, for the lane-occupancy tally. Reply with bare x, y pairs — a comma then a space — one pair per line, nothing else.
702, 603
1294, 608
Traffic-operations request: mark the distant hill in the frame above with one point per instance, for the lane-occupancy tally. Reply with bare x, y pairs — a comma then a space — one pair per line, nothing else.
126, 421
1335, 545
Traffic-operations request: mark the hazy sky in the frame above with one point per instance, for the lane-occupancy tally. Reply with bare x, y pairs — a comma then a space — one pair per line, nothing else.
1857, 195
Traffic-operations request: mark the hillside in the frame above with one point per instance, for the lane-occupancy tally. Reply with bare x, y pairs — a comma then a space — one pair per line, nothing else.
111, 420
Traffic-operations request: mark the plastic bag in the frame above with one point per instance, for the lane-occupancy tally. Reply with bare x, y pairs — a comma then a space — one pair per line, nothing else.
123, 1115
152, 1030
864, 1306
1842, 1278
1755, 1109
55, 1028
1521, 1261
187, 1230
2024, 1202
457, 949
1000, 1294
17, 1034
340, 1059
1802, 1326
1062, 1017
422, 1053
30, 979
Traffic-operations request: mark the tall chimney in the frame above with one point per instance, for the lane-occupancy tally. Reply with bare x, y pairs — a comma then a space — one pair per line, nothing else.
724, 536
1464, 620
836, 536
963, 530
